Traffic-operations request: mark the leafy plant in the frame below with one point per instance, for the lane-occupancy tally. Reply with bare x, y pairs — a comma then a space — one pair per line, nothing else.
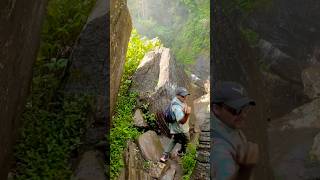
123, 129
53, 121
147, 164
48, 137
148, 116
189, 161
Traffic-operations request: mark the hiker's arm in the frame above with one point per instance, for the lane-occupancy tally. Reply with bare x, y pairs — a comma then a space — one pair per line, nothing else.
187, 111
250, 160
222, 161
184, 119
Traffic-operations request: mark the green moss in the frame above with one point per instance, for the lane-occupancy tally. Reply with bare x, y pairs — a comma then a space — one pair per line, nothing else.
123, 129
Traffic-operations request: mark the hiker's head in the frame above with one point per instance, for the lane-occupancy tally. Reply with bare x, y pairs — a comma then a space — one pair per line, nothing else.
231, 103
182, 93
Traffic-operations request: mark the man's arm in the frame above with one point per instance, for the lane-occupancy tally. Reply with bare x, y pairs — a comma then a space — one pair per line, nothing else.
180, 114
187, 111
224, 165
184, 119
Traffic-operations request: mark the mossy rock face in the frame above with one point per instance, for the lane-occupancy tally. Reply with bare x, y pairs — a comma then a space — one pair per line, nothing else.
120, 30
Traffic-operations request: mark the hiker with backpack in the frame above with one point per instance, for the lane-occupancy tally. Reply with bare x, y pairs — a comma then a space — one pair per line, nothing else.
177, 115
232, 156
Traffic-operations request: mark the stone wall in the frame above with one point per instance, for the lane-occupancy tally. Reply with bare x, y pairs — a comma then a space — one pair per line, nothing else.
20, 25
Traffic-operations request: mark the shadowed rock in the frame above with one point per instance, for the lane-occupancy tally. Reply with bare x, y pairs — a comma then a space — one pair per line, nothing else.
20, 27
311, 82
91, 166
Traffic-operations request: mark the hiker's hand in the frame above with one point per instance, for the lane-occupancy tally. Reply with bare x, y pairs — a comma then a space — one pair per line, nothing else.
248, 154
187, 109
252, 154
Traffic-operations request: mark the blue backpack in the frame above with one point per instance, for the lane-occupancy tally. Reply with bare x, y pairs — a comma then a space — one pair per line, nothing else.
169, 114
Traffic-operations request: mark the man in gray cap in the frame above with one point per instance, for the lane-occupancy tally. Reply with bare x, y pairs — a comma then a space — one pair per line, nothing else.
232, 156
180, 128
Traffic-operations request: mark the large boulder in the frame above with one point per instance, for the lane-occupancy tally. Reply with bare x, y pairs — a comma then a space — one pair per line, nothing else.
89, 70
150, 146
306, 116
134, 164
311, 81
88, 73
296, 36
20, 25
278, 94
280, 63
120, 30
91, 166
157, 77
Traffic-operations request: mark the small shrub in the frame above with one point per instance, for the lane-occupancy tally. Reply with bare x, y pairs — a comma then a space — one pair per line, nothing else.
189, 161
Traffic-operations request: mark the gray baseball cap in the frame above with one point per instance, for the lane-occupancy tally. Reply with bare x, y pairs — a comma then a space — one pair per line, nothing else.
232, 94
182, 91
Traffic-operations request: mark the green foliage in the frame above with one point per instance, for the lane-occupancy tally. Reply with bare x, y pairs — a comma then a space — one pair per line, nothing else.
148, 116
137, 48
147, 165
53, 121
194, 37
49, 135
185, 27
63, 24
123, 129
189, 161
251, 36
